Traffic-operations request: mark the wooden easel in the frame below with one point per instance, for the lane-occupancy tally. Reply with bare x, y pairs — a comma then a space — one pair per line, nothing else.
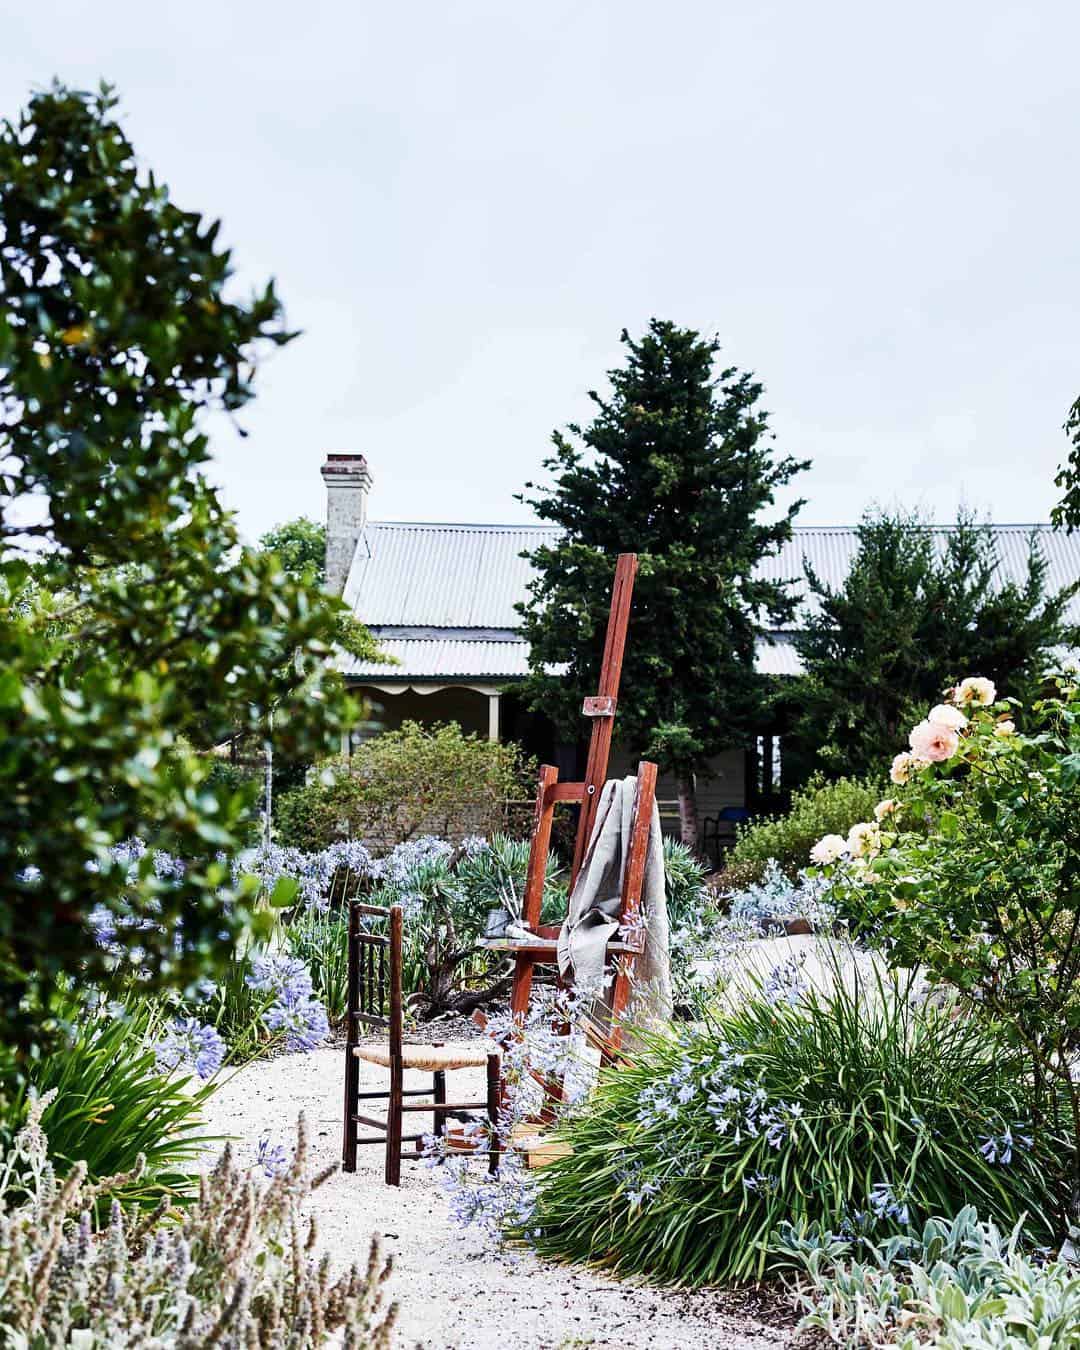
529, 953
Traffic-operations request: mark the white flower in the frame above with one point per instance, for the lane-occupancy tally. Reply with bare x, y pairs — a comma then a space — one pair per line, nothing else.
888, 807
902, 768
944, 715
1006, 727
864, 840
828, 849
933, 742
975, 690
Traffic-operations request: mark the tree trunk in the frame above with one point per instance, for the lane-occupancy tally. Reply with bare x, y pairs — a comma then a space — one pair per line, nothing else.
688, 822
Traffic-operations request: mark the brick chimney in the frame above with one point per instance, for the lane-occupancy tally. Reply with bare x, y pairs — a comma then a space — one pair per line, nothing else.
348, 483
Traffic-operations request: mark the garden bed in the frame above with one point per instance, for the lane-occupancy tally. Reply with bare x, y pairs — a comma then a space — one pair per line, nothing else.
454, 1295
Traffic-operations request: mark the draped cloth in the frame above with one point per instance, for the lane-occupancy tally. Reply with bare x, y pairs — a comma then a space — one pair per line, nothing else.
592, 919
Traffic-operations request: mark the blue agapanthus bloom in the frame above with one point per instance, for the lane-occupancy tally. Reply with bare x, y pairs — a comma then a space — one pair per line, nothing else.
301, 1019
272, 1158
189, 1041
998, 1149
280, 975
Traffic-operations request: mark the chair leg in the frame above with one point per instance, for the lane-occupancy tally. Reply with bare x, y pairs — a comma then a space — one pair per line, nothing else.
393, 1123
352, 1105
439, 1094
494, 1095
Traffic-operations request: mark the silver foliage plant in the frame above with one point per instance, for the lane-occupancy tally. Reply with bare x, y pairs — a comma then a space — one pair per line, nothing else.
235, 1270
961, 1285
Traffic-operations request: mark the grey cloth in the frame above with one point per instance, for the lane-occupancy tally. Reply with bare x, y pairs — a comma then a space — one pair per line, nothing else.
593, 917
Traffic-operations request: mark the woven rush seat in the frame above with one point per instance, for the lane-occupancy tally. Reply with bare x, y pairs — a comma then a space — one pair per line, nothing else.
459, 1055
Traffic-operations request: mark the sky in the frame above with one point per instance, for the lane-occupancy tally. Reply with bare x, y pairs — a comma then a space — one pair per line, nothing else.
463, 204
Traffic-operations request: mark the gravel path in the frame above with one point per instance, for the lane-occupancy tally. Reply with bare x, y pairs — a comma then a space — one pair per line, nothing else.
454, 1296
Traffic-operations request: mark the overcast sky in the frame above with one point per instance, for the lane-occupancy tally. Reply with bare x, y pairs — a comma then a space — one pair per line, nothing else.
874, 207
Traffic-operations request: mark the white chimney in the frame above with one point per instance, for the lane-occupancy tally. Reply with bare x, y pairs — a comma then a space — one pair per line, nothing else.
348, 482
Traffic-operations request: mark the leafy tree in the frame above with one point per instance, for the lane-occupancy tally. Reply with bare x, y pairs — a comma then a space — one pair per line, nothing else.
136, 631
1067, 511
675, 466
918, 609
300, 545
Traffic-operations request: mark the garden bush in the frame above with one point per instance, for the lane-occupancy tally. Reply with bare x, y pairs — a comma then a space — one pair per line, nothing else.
866, 1110
958, 1285
972, 869
234, 1270
818, 809
400, 784
110, 1103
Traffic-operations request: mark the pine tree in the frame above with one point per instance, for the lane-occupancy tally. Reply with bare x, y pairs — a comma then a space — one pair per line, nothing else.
919, 609
675, 466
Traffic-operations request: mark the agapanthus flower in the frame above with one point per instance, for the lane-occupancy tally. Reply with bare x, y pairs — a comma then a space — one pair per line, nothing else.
998, 1149
272, 1158
301, 1019
280, 975
885, 1204
189, 1041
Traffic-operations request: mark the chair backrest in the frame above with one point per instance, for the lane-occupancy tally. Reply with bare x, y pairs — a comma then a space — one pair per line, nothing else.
374, 991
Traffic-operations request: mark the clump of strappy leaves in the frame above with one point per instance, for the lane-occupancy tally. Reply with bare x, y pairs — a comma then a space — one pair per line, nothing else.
236, 1270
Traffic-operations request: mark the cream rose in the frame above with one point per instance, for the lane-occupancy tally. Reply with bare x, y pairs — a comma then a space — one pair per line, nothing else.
903, 766
828, 849
976, 690
933, 742
888, 807
864, 840
944, 715
1007, 727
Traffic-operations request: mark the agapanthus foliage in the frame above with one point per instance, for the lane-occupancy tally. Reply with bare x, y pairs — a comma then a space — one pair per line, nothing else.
866, 1109
135, 628
237, 1269
971, 869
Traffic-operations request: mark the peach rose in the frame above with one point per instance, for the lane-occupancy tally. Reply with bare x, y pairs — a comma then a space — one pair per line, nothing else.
933, 742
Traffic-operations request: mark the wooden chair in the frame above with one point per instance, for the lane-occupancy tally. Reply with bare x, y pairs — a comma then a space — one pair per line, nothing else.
374, 1000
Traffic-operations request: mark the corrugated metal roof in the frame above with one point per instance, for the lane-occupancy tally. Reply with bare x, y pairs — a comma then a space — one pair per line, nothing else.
776, 655
830, 549
444, 659
443, 576
443, 596
471, 576
462, 659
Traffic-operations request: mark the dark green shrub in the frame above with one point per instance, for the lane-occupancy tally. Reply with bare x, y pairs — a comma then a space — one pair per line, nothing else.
399, 784
818, 809
867, 1109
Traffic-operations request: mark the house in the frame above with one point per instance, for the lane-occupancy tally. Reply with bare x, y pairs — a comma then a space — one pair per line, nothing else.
440, 598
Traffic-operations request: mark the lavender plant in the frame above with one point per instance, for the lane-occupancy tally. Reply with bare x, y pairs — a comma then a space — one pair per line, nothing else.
236, 1270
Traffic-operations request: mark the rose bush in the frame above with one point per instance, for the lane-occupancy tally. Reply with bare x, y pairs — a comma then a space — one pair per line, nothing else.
973, 873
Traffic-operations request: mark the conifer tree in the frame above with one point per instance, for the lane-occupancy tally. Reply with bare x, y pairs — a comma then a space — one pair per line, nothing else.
918, 609
676, 466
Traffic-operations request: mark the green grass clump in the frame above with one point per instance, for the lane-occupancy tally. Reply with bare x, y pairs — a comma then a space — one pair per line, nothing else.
866, 1110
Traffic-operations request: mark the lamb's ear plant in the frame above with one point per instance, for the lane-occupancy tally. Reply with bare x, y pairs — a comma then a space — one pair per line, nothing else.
958, 1284
866, 1108
236, 1270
